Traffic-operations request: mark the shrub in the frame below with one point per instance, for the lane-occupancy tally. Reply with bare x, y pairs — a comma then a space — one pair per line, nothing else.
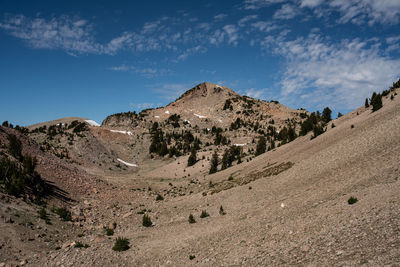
81, 245
121, 244
352, 126
204, 214
191, 219
64, 214
109, 232
44, 216
339, 115
352, 200
191, 257
221, 211
159, 197
146, 221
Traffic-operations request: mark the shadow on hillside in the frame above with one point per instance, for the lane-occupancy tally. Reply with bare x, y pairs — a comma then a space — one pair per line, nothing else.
57, 193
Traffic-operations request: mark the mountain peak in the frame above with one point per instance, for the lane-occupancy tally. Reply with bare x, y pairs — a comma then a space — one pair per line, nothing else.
207, 89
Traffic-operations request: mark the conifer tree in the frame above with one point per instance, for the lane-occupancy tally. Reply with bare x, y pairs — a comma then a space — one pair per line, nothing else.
193, 157
261, 146
214, 163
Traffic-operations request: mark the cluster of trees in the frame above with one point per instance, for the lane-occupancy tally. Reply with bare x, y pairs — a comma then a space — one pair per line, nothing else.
230, 155
316, 122
18, 177
173, 144
376, 102
228, 105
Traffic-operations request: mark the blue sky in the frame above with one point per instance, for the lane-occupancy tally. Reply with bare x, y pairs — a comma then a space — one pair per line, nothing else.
95, 58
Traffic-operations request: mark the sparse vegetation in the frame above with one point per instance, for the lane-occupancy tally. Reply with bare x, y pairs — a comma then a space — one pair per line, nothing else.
191, 219
81, 245
121, 244
192, 158
109, 232
204, 214
221, 211
146, 221
64, 214
352, 200
159, 197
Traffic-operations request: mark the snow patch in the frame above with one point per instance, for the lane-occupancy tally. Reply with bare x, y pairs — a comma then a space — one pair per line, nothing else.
127, 164
157, 117
200, 116
220, 120
123, 132
240, 144
166, 112
187, 121
92, 123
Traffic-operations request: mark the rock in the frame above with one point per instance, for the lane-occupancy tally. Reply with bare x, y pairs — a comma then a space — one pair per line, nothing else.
22, 263
339, 252
126, 215
282, 205
305, 248
112, 225
65, 246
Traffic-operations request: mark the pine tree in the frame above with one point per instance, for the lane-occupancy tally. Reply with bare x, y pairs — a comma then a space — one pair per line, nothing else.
376, 101
214, 163
193, 157
326, 115
366, 103
225, 159
261, 146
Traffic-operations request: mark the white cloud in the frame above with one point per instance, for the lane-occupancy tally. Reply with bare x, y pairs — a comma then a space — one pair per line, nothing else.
358, 11
287, 11
232, 33
310, 3
220, 16
75, 36
257, 4
141, 106
338, 75
252, 92
242, 22
190, 51
122, 67
171, 91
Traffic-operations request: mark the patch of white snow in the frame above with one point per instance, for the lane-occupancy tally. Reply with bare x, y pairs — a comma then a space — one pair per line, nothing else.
92, 123
123, 132
166, 112
240, 144
200, 116
127, 164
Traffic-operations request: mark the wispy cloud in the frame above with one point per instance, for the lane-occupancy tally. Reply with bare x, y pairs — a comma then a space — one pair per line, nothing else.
287, 11
144, 72
334, 74
220, 16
